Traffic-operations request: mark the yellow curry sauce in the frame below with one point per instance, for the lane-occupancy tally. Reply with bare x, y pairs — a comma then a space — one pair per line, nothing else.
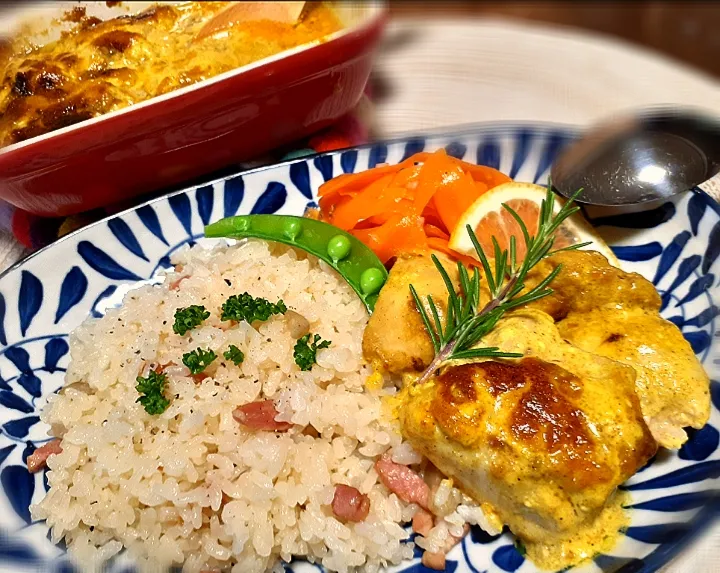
544, 441
101, 66
599, 536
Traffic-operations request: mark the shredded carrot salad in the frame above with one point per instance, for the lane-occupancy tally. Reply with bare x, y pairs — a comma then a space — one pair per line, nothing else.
412, 205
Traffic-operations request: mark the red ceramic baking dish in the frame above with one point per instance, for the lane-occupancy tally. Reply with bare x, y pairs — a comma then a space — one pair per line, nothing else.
191, 132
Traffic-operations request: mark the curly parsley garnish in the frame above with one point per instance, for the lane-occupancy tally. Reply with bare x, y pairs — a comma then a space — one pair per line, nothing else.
234, 355
188, 318
305, 351
151, 390
245, 307
198, 360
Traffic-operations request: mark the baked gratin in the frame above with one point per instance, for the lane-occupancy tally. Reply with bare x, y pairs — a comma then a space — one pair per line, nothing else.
97, 67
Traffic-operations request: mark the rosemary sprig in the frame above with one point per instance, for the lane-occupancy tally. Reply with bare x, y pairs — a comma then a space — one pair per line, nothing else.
466, 320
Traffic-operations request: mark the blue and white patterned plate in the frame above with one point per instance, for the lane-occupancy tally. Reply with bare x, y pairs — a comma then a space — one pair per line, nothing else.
46, 296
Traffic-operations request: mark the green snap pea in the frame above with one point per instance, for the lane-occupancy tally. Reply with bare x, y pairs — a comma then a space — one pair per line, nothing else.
293, 229
349, 256
371, 280
339, 248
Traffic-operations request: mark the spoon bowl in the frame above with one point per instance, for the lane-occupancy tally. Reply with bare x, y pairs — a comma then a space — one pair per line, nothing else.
641, 158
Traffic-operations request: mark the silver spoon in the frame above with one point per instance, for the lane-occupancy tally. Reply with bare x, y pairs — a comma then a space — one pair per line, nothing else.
637, 159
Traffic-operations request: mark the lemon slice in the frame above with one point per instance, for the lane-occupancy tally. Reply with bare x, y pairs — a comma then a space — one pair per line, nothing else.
487, 217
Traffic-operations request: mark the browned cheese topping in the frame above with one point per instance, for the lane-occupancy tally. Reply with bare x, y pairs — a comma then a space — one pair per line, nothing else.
101, 66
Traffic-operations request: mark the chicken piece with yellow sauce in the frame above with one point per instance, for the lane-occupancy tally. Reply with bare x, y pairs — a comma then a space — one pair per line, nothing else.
673, 388
544, 440
588, 281
395, 339
600, 308
615, 314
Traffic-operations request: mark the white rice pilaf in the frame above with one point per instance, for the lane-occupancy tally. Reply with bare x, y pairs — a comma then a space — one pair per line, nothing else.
192, 486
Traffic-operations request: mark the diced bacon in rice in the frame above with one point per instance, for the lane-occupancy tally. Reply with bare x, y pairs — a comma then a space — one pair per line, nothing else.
403, 481
422, 522
349, 504
261, 416
37, 460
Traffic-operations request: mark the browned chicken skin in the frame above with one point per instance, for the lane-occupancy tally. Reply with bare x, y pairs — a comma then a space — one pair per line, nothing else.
544, 440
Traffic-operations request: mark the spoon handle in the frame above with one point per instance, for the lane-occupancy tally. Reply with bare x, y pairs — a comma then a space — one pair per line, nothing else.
712, 187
